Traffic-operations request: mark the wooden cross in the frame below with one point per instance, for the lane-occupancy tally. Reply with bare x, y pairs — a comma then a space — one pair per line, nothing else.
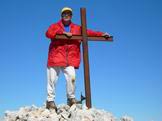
85, 40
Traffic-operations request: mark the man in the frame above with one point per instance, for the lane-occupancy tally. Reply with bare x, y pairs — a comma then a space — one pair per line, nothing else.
64, 55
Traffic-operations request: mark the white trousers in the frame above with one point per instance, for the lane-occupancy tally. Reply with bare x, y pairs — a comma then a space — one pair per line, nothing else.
52, 77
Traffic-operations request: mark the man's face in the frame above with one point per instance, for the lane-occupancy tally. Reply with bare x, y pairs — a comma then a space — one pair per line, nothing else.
66, 15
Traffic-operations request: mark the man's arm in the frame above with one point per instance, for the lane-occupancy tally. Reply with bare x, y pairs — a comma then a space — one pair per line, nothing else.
97, 33
52, 31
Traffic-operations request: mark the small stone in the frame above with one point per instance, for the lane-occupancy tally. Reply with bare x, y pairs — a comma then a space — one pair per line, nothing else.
126, 118
79, 106
65, 115
45, 113
72, 108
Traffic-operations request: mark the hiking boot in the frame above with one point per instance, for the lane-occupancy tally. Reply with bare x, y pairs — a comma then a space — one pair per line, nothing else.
71, 101
51, 105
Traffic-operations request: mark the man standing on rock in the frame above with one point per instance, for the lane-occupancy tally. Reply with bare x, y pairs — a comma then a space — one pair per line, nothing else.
64, 55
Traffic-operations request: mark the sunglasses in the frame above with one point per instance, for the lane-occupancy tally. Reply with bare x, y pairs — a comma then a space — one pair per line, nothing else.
66, 14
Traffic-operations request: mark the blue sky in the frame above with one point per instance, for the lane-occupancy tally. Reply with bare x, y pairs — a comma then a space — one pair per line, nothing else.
125, 74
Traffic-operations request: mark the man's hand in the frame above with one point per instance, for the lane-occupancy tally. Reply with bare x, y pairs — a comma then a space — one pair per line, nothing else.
106, 35
68, 34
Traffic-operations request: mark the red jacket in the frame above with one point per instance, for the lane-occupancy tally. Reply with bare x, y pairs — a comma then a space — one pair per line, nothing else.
65, 52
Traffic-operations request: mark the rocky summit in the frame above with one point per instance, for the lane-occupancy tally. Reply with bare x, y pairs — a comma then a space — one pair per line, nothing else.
64, 113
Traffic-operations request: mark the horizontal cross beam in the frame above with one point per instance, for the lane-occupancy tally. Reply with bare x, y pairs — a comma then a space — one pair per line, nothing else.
80, 37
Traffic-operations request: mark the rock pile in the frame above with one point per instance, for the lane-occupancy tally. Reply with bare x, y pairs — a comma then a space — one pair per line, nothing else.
64, 113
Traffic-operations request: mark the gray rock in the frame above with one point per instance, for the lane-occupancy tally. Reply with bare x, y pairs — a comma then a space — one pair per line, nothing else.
72, 108
126, 118
65, 115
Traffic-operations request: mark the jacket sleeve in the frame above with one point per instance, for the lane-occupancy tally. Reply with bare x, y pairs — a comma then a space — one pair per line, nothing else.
94, 33
53, 30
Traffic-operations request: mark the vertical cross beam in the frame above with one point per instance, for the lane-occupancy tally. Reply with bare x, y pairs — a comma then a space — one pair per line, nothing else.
85, 58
